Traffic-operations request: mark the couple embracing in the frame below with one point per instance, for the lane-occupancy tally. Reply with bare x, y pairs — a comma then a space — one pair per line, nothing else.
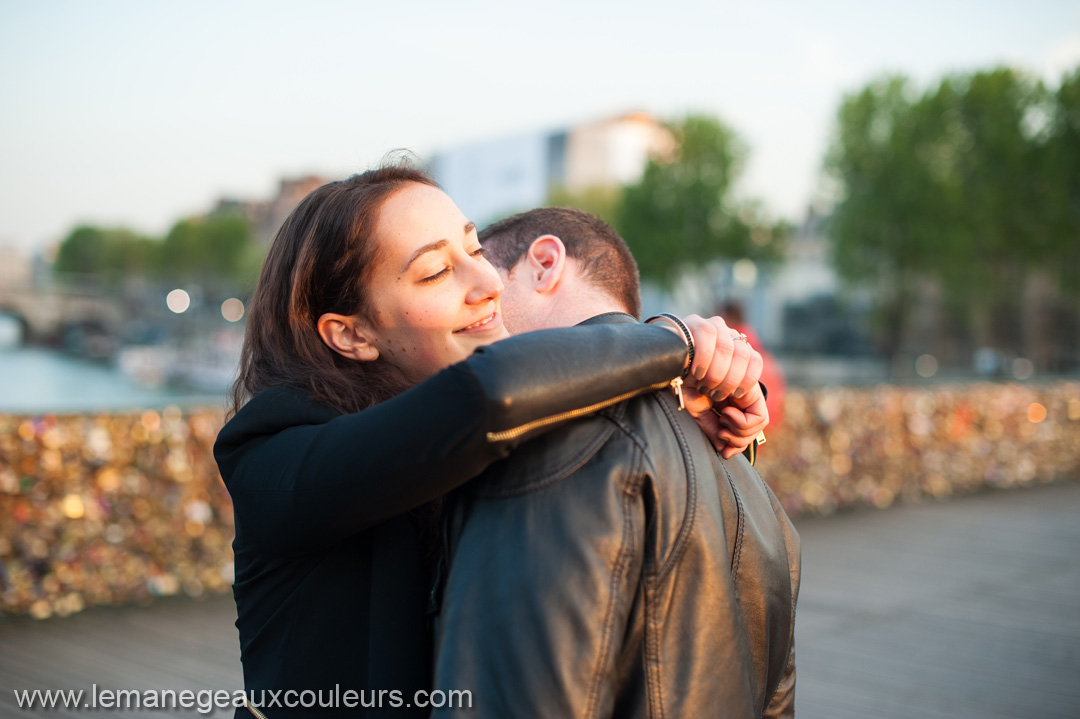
425, 502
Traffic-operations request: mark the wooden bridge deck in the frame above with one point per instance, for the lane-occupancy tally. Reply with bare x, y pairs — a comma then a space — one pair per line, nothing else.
966, 608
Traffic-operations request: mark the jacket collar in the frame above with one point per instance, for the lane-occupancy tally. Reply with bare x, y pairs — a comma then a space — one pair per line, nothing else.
610, 318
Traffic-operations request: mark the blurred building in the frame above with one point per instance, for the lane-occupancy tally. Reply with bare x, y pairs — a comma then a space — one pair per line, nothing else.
266, 216
495, 178
807, 308
796, 306
16, 266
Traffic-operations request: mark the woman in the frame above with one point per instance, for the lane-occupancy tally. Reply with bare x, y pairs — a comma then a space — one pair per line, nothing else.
373, 285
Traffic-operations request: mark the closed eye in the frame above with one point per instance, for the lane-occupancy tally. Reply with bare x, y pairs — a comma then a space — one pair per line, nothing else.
436, 277
478, 252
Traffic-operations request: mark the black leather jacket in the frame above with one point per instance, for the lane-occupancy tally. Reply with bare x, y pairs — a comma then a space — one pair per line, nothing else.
331, 591
619, 567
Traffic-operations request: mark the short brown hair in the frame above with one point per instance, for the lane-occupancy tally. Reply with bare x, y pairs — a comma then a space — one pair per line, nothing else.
605, 259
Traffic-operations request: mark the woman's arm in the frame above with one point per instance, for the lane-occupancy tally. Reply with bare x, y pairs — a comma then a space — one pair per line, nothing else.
721, 388
303, 477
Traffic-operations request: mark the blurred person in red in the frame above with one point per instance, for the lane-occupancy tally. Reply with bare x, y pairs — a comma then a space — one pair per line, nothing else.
772, 376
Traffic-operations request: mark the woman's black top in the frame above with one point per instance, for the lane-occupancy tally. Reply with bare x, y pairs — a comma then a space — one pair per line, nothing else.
330, 587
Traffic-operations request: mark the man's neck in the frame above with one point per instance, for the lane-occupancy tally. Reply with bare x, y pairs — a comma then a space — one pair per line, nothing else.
578, 309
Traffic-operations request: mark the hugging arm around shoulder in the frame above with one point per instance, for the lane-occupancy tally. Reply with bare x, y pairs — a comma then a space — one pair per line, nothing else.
307, 477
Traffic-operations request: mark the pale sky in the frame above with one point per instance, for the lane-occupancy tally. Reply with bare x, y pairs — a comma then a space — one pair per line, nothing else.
138, 113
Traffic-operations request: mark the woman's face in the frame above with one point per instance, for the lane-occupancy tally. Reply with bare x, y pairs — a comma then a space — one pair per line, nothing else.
435, 297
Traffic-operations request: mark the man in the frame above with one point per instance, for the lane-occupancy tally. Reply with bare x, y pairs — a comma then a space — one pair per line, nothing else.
617, 566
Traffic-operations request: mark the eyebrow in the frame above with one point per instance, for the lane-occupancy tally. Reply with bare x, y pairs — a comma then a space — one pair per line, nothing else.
432, 246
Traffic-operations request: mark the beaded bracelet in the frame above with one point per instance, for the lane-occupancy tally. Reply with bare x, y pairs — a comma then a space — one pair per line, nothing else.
687, 336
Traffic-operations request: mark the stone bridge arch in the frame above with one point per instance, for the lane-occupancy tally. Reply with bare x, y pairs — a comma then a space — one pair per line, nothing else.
45, 312
21, 323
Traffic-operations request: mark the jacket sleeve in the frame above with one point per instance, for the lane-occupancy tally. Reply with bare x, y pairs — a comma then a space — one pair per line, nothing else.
302, 478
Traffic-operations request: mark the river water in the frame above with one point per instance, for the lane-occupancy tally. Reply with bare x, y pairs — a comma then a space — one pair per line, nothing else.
34, 380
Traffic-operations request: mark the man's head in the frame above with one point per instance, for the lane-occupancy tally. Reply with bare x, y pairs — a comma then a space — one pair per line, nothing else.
560, 266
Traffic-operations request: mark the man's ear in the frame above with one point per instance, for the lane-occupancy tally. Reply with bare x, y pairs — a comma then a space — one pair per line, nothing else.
347, 336
545, 262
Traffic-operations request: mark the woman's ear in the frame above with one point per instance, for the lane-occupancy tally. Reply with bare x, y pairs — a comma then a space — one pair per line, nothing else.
546, 260
347, 336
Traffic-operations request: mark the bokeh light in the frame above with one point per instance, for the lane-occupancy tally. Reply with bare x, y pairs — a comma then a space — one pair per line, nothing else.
1036, 413
926, 365
73, 507
745, 273
1023, 368
178, 301
232, 309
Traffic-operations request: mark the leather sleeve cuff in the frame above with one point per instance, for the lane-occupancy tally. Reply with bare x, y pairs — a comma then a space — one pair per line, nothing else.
550, 372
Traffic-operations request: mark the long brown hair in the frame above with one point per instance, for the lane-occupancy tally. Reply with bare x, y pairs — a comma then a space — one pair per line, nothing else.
320, 261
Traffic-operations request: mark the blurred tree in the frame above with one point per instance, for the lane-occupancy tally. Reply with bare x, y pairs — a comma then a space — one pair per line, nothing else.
950, 188
82, 251
215, 248
886, 225
998, 128
1062, 164
600, 201
108, 254
682, 213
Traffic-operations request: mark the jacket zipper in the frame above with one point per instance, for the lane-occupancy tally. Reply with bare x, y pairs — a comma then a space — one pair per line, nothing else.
515, 432
251, 708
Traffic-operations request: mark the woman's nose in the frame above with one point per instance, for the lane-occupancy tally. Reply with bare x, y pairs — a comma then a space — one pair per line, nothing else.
486, 283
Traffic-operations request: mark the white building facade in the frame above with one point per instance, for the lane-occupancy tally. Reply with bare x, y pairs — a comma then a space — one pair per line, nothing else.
496, 178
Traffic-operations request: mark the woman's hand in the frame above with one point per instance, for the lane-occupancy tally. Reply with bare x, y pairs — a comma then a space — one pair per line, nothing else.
721, 390
730, 427
723, 366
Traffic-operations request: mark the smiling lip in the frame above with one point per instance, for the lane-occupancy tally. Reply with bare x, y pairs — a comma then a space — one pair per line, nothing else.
489, 322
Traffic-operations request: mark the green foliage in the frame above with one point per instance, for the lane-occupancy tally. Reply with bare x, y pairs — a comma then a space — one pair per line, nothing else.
682, 213
600, 201
960, 185
214, 246
1002, 212
108, 254
216, 249
1061, 167
895, 181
